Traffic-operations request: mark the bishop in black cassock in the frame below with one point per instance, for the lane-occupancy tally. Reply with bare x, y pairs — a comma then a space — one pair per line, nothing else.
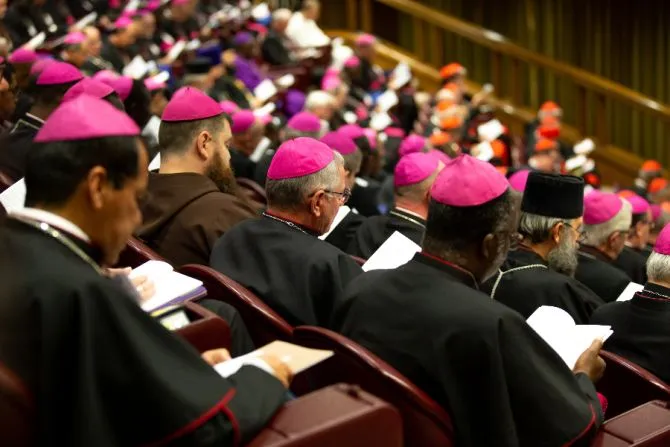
632, 260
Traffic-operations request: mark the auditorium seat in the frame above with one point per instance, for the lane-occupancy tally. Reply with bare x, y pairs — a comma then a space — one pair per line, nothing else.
337, 416
426, 424
263, 324
207, 330
16, 410
627, 385
252, 190
5, 181
645, 426
137, 253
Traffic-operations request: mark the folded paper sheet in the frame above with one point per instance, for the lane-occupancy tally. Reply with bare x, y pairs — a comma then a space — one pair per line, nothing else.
396, 251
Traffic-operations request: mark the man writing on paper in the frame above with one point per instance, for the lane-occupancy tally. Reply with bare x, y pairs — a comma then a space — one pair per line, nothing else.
631, 260
641, 330
607, 220
414, 175
541, 271
103, 372
501, 383
192, 199
280, 257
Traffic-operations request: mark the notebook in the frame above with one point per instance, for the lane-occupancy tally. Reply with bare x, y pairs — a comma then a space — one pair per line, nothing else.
171, 287
396, 251
558, 329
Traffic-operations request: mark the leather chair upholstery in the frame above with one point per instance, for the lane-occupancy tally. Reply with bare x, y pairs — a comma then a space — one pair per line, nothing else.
207, 330
627, 385
426, 424
645, 426
263, 324
337, 416
16, 410
137, 253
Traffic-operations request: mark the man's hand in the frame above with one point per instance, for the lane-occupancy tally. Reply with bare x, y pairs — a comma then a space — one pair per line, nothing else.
216, 356
144, 286
281, 370
590, 362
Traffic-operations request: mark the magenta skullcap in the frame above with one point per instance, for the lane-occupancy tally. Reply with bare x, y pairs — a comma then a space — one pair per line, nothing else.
330, 82
23, 56
655, 211
601, 207
190, 104
299, 157
518, 180
339, 142
411, 144
89, 87
353, 131
39, 65
414, 169
74, 38
439, 155
466, 182
105, 75
229, 107
365, 40
152, 85
304, 122
394, 132
85, 118
639, 205
371, 135
242, 121
123, 22
662, 246
352, 62
59, 73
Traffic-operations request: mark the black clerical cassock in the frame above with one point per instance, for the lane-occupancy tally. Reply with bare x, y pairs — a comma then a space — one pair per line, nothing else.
633, 263
376, 229
596, 272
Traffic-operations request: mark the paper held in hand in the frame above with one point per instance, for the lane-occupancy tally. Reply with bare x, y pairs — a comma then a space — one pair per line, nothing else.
339, 217
265, 90
297, 358
558, 330
171, 286
396, 251
629, 292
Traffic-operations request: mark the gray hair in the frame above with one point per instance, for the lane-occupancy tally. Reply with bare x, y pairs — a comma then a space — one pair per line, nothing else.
290, 194
658, 267
290, 134
317, 99
597, 235
537, 228
282, 15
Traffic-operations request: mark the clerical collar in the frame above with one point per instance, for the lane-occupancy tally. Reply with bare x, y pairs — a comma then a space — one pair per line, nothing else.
594, 253
288, 223
458, 273
408, 216
656, 291
52, 219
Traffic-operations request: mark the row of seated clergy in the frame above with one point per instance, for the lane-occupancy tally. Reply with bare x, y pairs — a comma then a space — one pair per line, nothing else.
96, 363
633, 257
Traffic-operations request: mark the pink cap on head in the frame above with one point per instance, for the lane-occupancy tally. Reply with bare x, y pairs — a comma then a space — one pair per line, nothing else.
332, 71
439, 155
299, 157
229, 107
365, 40
339, 142
394, 132
190, 104
85, 118
89, 87
330, 82
105, 75
640, 206
304, 122
467, 182
22, 56
518, 180
74, 38
152, 85
352, 62
242, 121
411, 144
353, 131
265, 119
655, 211
414, 168
59, 73
122, 85
371, 135
39, 65
662, 245
123, 22
601, 207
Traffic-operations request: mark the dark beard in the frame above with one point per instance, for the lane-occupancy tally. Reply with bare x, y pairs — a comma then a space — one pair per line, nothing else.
563, 259
222, 176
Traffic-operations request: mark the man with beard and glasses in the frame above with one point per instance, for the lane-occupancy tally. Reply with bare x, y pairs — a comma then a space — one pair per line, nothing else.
541, 271
192, 199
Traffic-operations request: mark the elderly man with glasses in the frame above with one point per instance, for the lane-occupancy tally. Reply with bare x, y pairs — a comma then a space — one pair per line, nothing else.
541, 271
279, 257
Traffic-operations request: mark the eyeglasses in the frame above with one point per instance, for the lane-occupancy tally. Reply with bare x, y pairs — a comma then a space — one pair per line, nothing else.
344, 195
580, 233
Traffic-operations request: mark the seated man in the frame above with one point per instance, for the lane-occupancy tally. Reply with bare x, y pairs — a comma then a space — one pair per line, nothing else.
192, 199
413, 178
501, 383
632, 260
248, 131
279, 257
275, 45
641, 330
302, 27
102, 371
607, 220
541, 272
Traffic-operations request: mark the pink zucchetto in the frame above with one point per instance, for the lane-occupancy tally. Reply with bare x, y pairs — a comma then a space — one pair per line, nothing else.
411, 144
414, 169
190, 104
352, 62
339, 142
655, 211
353, 131
39, 65
365, 40
330, 82
371, 135
74, 38
439, 155
467, 182
518, 180
85, 118
639, 205
105, 75
88, 86
122, 85
242, 121
59, 73
601, 207
394, 132
299, 157
662, 246
229, 107
22, 56
304, 122
123, 22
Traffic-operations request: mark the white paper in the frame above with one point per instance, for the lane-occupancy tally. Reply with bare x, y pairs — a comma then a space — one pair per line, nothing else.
380, 121
133, 5
176, 50
339, 217
168, 283
350, 117
265, 90
86, 20
14, 197
161, 77
400, 76
285, 81
396, 251
584, 147
339, 55
631, 289
193, 45
266, 110
483, 151
155, 163
558, 330
260, 11
36, 41
137, 68
262, 146
387, 100
575, 162
490, 130
151, 130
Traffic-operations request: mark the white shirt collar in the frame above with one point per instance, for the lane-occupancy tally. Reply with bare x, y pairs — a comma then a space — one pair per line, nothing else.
53, 220
404, 210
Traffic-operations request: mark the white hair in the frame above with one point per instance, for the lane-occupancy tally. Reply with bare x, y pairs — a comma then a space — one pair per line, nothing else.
318, 99
281, 15
658, 267
597, 235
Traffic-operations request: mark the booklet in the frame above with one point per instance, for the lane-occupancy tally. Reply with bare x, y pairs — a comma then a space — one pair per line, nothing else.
171, 287
339, 217
558, 329
297, 358
285, 81
36, 41
265, 90
396, 251
14, 197
137, 68
629, 292
176, 51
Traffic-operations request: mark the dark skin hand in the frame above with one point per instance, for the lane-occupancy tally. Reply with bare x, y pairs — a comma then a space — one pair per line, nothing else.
590, 362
